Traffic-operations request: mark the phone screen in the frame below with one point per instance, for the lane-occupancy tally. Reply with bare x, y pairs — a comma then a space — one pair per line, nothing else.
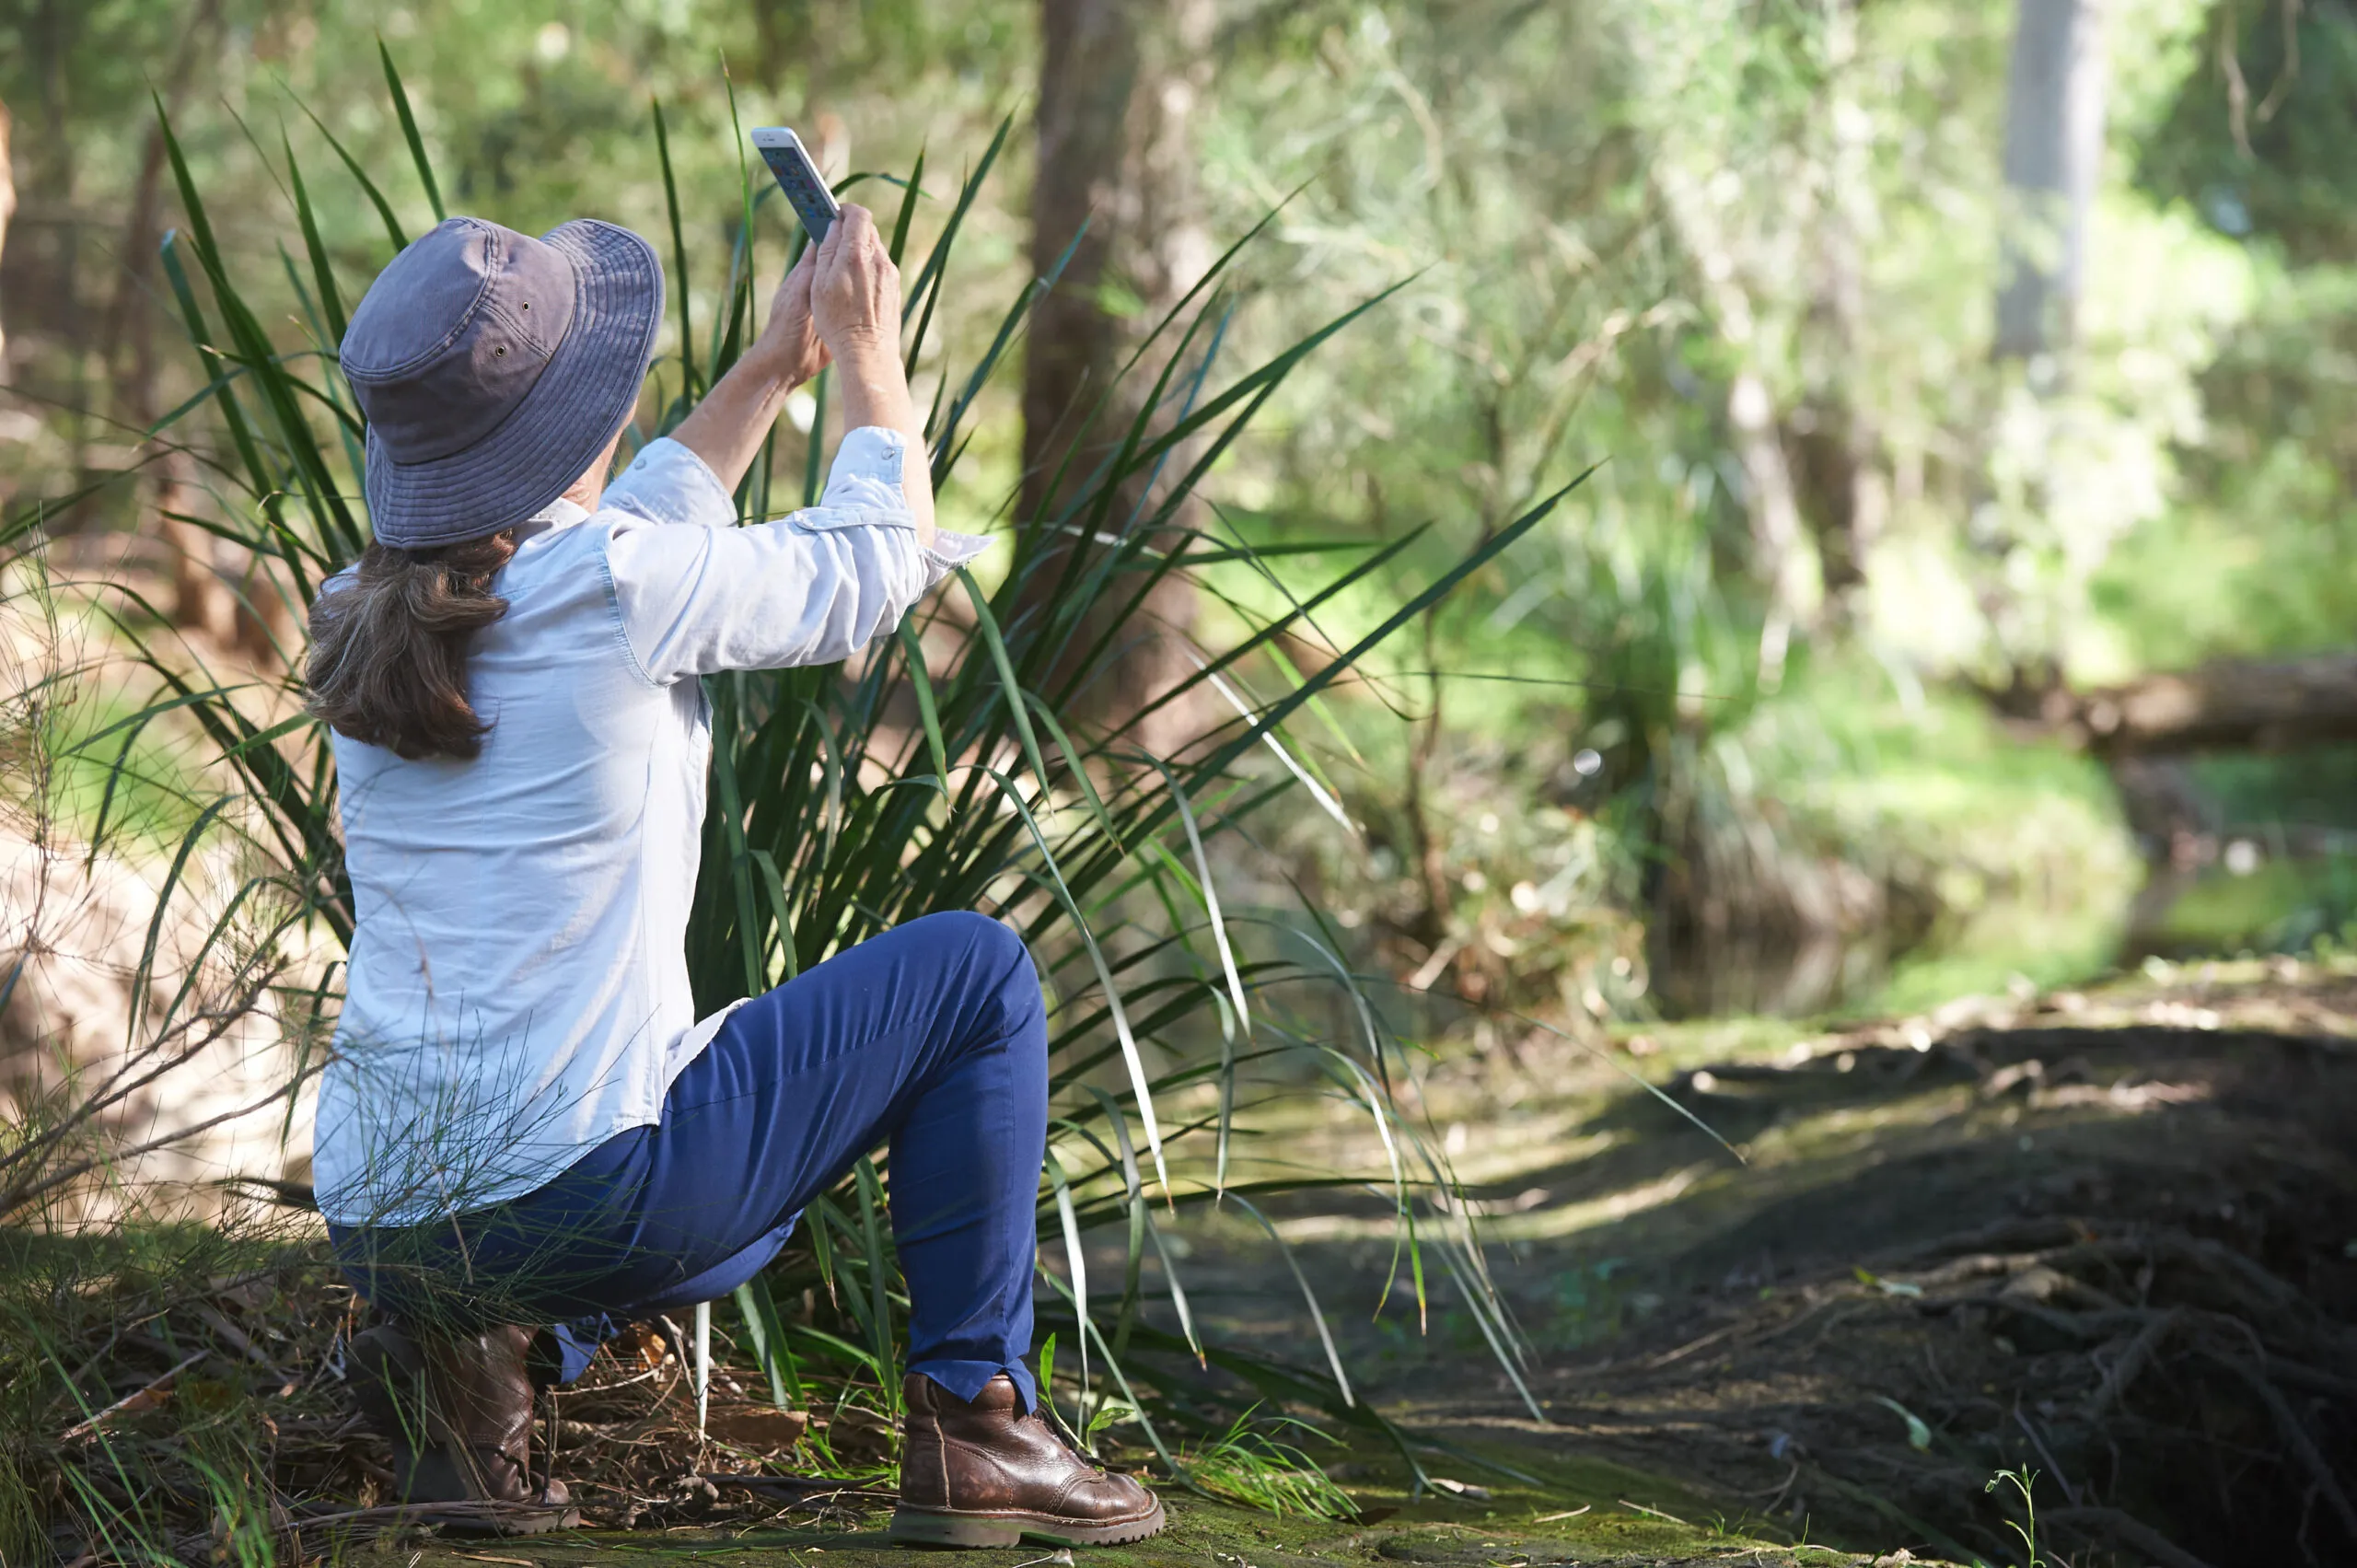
799, 177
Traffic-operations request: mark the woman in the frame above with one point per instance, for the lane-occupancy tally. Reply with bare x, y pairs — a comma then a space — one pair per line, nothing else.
523, 1121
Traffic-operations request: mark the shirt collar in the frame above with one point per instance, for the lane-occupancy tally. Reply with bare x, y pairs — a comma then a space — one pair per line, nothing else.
558, 514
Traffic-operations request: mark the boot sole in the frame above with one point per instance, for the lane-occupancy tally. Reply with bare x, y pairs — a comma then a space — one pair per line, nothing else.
927, 1527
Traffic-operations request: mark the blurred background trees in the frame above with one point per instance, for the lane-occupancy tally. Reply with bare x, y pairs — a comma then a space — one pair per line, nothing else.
1961, 381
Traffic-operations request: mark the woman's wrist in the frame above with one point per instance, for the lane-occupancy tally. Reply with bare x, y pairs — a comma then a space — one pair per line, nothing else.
869, 348
874, 388
777, 369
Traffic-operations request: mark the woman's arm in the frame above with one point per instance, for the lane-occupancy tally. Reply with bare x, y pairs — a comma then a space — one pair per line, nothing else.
728, 428
841, 300
856, 303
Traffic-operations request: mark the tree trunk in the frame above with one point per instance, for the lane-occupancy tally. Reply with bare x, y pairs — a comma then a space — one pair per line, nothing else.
7, 211
2053, 152
2054, 135
1754, 429
1088, 66
204, 564
2223, 705
1118, 80
1835, 449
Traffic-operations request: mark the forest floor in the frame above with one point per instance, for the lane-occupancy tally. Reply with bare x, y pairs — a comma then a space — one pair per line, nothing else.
2107, 1237
2106, 1240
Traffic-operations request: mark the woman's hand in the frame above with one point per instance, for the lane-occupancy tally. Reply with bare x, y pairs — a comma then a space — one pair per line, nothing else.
856, 297
790, 348
841, 301
856, 304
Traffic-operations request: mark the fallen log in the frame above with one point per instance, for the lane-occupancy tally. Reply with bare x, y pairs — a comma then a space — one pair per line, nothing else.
2226, 704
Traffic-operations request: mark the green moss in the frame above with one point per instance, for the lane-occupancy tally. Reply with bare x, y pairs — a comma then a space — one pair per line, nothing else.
1520, 1503
1510, 1526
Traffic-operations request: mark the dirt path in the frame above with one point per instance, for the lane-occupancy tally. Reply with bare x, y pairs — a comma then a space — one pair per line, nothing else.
2107, 1239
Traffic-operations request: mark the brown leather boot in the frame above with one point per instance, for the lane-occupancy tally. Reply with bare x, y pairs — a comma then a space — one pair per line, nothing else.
458, 1410
989, 1474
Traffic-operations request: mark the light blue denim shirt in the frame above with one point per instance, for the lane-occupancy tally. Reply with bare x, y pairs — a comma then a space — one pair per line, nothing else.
518, 983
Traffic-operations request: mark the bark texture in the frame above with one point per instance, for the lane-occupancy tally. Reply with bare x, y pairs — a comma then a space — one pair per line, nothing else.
1118, 82
7, 211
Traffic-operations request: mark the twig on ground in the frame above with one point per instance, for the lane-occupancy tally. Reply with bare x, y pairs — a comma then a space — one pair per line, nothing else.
2127, 1528
142, 1398
2296, 1435
1682, 1351
2133, 1359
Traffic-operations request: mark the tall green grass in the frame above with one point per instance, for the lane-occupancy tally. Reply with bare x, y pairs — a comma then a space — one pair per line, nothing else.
850, 799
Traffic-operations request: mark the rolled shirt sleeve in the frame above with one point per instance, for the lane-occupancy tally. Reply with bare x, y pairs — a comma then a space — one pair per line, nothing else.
866, 477
698, 594
668, 483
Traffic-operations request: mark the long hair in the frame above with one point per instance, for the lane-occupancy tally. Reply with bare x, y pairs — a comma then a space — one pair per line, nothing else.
389, 650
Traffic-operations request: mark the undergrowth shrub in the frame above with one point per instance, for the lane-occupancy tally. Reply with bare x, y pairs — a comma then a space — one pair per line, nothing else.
944, 768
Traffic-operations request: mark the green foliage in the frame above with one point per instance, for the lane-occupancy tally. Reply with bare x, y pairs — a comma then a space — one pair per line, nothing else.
1598, 220
2315, 788
2281, 906
2259, 141
84, 752
2250, 564
835, 817
23, 1527
1602, 220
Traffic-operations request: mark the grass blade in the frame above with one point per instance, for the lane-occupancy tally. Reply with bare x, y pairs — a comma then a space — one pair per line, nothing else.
322, 274
910, 189
1316, 1313
1211, 898
1018, 709
367, 186
689, 387
409, 133
1076, 1259
928, 710
1104, 978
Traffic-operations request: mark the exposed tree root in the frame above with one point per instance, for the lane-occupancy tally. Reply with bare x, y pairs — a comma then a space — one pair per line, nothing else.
2161, 1330
2114, 1525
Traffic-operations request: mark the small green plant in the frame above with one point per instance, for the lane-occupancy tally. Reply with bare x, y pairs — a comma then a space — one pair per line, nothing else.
1096, 1410
2023, 1479
241, 1531
1248, 1464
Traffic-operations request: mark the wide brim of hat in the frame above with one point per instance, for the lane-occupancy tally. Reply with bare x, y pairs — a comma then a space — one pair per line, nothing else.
552, 436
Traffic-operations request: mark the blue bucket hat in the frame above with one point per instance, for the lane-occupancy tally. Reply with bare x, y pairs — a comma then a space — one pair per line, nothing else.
493, 368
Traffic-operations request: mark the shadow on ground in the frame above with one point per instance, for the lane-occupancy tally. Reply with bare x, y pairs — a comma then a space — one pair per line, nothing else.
2106, 1240
2106, 1243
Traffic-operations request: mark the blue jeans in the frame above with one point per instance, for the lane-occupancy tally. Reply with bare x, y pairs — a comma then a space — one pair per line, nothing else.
932, 1035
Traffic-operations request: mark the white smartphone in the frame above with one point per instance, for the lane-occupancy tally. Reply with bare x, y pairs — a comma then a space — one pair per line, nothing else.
797, 175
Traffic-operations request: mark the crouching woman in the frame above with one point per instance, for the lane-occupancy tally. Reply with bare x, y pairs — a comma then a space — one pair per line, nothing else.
525, 1135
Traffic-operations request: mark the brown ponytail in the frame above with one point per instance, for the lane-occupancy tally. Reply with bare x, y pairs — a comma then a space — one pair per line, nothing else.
389, 651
